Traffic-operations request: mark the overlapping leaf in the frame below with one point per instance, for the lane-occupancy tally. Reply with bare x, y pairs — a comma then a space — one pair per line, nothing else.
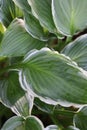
52, 127
77, 51
71, 128
42, 11
51, 75
17, 42
18, 123
33, 27
13, 96
33, 123
80, 119
9, 11
23, 4
70, 16
14, 123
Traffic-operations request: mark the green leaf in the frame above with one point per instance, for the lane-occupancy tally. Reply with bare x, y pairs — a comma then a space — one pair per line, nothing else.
9, 11
2, 30
42, 10
33, 123
69, 16
52, 127
54, 77
77, 51
17, 42
71, 128
80, 119
43, 106
34, 28
14, 123
13, 96
23, 4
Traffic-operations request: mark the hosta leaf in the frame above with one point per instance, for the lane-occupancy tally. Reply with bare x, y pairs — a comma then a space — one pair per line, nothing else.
71, 128
80, 119
70, 16
33, 27
77, 51
14, 123
17, 42
52, 127
9, 11
51, 75
13, 96
43, 106
33, 123
23, 4
42, 10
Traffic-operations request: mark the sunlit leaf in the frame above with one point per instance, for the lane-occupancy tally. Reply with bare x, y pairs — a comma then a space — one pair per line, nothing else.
17, 42
77, 51
80, 119
51, 75
33, 123
70, 16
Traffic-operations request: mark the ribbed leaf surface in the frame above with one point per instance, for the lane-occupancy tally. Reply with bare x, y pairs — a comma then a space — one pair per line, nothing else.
42, 10
33, 27
23, 4
77, 51
17, 42
51, 75
70, 16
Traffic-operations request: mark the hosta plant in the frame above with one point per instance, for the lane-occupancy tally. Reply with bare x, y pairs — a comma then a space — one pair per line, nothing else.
43, 63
